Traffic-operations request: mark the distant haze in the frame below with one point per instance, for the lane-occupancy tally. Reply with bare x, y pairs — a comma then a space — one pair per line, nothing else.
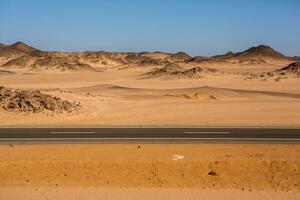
197, 27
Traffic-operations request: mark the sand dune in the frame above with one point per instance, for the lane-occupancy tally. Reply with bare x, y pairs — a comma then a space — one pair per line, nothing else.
4, 72
196, 91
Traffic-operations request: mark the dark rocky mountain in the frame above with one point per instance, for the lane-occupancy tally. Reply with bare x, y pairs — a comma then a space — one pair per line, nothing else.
22, 47
180, 57
228, 54
261, 54
15, 50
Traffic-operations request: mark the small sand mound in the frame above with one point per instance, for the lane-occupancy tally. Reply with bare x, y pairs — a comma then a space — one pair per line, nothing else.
33, 102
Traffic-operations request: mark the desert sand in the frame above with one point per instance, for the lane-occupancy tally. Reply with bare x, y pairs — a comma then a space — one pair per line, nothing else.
150, 171
257, 87
118, 97
149, 88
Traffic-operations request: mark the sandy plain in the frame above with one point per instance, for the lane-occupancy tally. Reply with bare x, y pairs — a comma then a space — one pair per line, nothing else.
133, 171
124, 97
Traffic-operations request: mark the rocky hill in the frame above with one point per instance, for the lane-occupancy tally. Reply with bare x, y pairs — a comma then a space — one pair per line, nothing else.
227, 55
22, 62
177, 72
60, 64
179, 57
51, 63
164, 71
33, 101
293, 68
290, 71
256, 55
14, 51
195, 73
20, 46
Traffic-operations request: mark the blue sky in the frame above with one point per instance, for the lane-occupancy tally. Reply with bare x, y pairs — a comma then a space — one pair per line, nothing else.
198, 27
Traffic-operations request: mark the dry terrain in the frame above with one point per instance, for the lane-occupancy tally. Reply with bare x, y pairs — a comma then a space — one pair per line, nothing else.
256, 87
136, 171
259, 86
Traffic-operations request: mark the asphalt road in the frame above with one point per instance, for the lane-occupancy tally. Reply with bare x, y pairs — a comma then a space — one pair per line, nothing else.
28, 135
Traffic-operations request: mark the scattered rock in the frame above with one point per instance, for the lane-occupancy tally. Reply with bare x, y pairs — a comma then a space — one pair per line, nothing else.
60, 64
213, 97
164, 71
33, 101
293, 68
212, 173
194, 73
177, 157
290, 71
182, 73
194, 96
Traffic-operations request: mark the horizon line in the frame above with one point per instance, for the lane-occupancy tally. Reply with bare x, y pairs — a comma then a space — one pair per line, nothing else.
146, 51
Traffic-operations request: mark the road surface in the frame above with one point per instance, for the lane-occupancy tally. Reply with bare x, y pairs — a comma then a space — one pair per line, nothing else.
28, 135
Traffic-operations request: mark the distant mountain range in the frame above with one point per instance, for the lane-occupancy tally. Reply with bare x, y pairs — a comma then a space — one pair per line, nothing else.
21, 55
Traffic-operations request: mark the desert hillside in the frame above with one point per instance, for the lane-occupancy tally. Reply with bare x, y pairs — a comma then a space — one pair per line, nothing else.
20, 56
260, 54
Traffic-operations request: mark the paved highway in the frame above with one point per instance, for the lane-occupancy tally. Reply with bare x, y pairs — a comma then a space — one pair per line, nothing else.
28, 135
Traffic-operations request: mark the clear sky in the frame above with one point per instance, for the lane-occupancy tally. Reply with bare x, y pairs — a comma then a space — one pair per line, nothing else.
198, 27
